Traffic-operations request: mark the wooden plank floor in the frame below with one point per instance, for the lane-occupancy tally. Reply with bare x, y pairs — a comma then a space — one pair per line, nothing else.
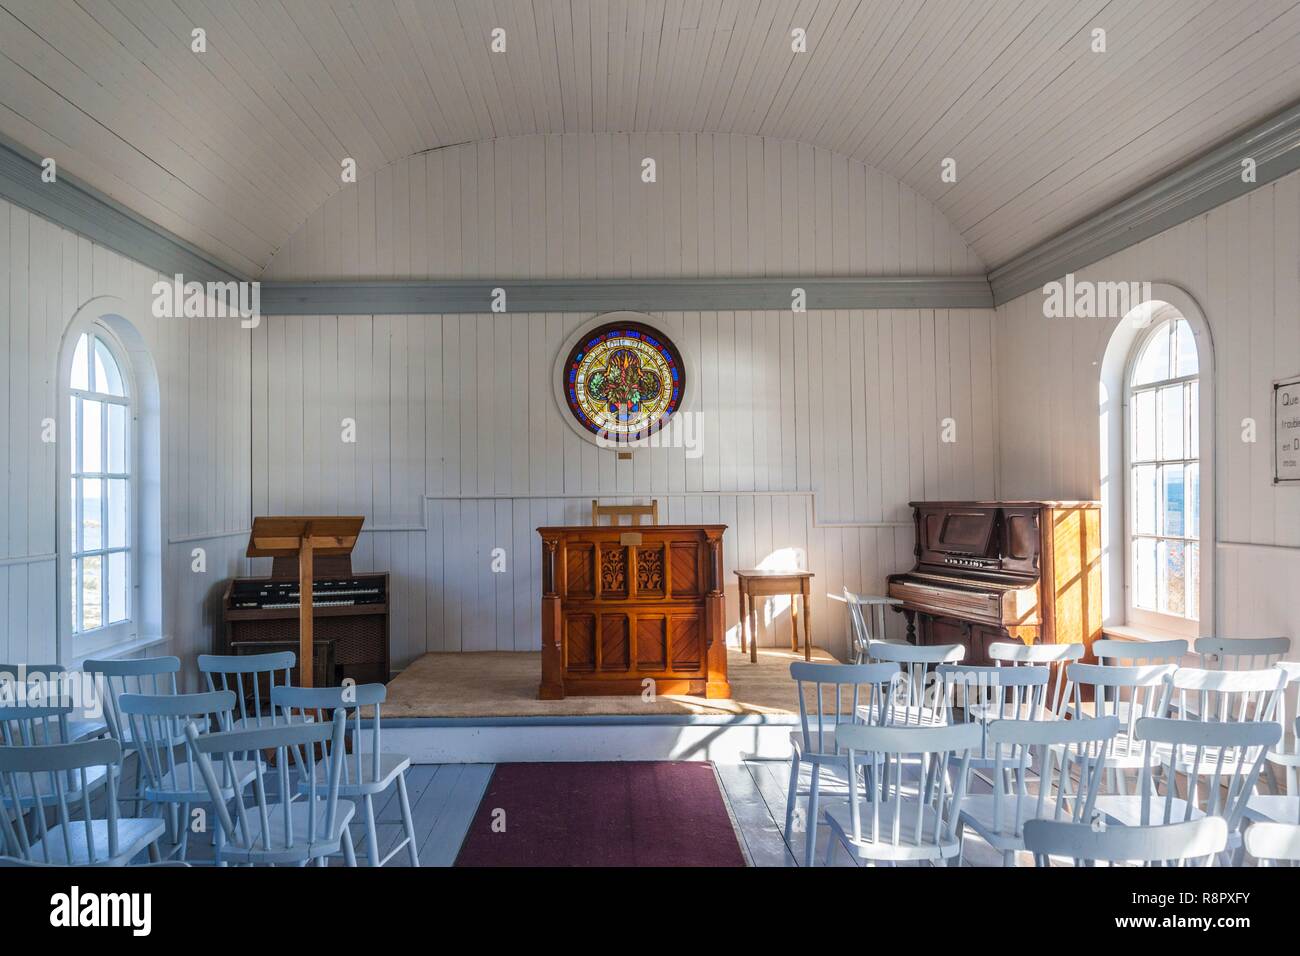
444, 798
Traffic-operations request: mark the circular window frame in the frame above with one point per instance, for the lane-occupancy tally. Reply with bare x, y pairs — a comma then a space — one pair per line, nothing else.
587, 328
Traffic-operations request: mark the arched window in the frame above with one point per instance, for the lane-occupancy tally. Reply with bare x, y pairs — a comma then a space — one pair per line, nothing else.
1163, 477
102, 504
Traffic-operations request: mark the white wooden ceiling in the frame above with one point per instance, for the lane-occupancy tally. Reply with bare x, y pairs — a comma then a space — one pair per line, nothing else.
233, 149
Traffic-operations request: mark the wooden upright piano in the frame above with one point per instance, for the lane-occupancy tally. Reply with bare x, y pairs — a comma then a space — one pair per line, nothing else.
990, 571
620, 605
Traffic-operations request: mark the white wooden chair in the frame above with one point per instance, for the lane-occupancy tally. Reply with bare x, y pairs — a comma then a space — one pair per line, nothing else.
1128, 694
1194, 693
56, 778
906, 805
1194, 843
1139, 653
830, 696
1056, 656
276, 829
1279, 807
1241, 653
1273, 843
1218, 762
918, 700
1071, 750
867, 621
984, 694
371, 771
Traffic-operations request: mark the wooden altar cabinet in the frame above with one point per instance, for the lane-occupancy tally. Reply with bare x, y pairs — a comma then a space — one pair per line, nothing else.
621, 605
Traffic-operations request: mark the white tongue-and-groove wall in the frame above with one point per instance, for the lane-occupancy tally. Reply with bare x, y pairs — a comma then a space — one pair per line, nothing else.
818, 428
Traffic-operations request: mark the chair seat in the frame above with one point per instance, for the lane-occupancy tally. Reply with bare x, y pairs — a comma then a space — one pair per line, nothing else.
390, 765
249, 847
185, 784
1273, 808
268, 720
914, 717
908, 847
1007, 832
1127, 810
96, 777
134, 834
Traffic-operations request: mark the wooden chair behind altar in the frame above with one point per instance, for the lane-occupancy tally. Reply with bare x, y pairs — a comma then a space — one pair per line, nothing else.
615, 513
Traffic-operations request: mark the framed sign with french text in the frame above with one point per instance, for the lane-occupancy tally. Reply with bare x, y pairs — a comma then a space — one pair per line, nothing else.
1286, 430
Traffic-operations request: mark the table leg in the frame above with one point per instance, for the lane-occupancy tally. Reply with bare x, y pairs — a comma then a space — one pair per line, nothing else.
794, 622
807, 626
740, 621
753, 632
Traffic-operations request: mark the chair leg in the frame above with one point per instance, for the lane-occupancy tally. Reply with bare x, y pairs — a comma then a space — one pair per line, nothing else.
349, 851
791, 795
408, 824
372, 840
830, 850
810, 824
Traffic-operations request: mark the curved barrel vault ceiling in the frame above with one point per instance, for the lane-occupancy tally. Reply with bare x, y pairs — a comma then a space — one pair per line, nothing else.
233, 149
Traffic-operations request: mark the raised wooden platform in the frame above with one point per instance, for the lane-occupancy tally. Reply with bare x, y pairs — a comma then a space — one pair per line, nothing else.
504, 684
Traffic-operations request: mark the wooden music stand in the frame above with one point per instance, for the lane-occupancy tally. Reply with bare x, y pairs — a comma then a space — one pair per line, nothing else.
303, 538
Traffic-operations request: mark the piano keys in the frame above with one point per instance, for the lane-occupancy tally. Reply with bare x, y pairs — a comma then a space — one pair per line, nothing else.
989, 571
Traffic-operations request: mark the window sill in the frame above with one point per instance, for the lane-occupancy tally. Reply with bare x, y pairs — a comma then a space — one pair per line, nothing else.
1142, 632
118, 651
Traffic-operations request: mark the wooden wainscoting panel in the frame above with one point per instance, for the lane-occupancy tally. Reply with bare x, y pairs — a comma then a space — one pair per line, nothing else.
615, 642
580, 641
580, 570
651, 642
686, 578
687, 642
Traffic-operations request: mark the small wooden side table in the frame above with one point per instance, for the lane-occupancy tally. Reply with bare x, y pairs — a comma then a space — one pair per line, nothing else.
760, 584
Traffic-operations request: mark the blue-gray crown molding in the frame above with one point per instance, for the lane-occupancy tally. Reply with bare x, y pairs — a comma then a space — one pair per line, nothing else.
86, 211
1197, 187
609, 295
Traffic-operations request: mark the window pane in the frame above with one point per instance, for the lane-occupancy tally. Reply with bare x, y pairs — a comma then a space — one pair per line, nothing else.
74, 507
1144, 573
1172, 582
117, 587
91, 593
91, 457
80, 365
74, 423
1171, 499
116, 512
1144, 426
1193, 419
76, 589
108, 377
1153, 364
1192, 501
116, 438
92, 536
1194, 581
1172, 405
1186, 350
1144, 499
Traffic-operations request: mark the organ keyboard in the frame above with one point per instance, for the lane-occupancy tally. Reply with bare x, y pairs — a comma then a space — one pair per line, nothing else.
990, 571
348, 610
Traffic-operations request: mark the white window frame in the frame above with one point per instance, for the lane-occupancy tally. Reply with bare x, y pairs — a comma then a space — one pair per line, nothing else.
106, 636
1139, 616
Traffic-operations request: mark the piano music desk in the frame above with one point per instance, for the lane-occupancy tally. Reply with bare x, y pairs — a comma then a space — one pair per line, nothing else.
760, 584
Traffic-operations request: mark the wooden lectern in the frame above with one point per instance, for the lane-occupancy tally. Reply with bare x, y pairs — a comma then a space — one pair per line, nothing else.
303, 538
